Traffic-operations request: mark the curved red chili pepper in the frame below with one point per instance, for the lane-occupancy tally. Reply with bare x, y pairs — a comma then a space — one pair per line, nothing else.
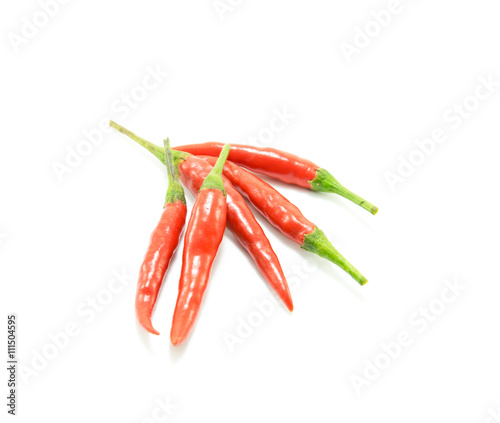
242, 222
240, 219
280, 165
285, 216
203, 236
162, 245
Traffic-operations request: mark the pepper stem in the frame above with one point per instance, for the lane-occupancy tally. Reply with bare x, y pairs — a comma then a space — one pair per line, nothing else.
316, 242
154, 149
174, 191
214, 178
325, 182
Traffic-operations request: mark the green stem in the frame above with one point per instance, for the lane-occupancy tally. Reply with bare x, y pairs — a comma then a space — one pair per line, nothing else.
325, 182
174, 191
316, 242
214, 178
152, 148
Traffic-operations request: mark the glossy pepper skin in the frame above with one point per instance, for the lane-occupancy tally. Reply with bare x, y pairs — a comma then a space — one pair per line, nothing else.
240, 219
285, 216
242, 222
281, 213
203, 236
162, 245
280, 165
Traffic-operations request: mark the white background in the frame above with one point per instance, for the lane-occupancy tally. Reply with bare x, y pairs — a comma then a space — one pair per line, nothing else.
62, 237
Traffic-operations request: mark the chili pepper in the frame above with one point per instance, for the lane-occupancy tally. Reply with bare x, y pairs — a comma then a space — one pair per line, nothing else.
281, 165
242, 222
162, 245
285, 216
203, 236
240, 219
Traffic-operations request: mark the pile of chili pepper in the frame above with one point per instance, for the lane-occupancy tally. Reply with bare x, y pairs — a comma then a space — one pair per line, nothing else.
220, 178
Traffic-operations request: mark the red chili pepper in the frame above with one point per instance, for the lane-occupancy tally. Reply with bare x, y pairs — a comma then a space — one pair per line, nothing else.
240, 219
162, 245
280, 165
242, 222
203, 236
285, 216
